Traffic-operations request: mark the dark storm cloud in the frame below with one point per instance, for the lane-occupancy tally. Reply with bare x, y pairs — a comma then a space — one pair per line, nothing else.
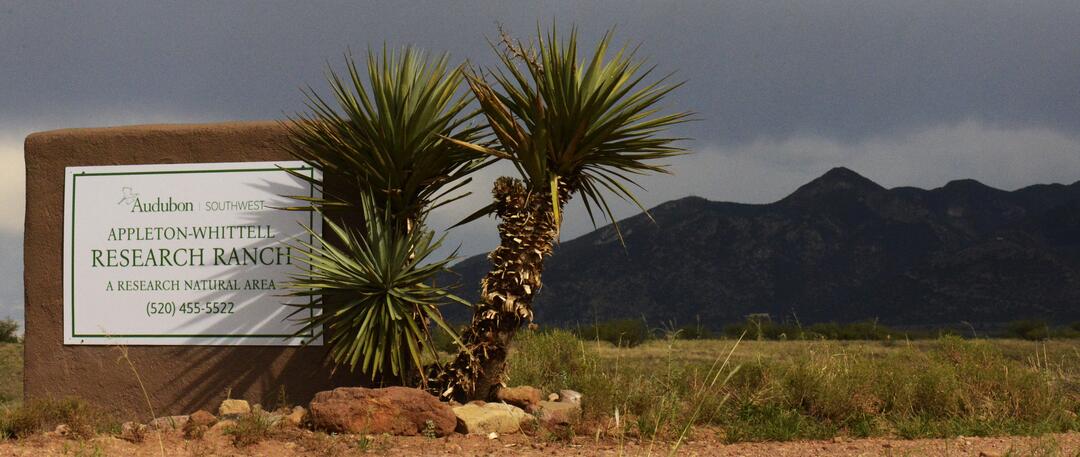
840, 69
905, 92
10, 283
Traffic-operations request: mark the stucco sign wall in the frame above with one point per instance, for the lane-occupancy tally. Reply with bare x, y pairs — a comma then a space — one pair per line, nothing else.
183, 254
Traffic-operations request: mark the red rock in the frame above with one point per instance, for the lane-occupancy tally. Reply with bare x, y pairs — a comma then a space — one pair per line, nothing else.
524, 397
560, 413
392, 410
198, 424
201, 417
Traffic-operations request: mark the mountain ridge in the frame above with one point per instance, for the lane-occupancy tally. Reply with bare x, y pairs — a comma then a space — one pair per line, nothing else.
839, 248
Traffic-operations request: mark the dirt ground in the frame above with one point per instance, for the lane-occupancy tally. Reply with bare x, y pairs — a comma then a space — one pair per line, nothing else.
304, 443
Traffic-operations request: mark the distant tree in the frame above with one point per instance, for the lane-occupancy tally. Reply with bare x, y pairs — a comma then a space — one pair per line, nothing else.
9, 331
1034, 330
620, 332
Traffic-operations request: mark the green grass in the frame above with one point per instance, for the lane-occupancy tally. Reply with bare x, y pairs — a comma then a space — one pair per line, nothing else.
11, 373
812, 389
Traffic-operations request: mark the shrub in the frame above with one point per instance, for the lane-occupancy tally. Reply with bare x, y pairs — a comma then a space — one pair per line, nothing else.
694, 332
868, 330
9, 331
250, 429
622, 332
45, 414
1033, 330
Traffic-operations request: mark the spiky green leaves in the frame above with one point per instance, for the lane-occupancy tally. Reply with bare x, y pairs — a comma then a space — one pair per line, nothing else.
587, 123
389, 132
372, 294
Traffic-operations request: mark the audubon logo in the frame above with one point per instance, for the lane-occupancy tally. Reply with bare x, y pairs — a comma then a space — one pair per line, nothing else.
129, 196
159, 206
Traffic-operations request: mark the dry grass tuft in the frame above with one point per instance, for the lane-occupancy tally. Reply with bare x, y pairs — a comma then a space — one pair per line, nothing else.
82, 420
251, 429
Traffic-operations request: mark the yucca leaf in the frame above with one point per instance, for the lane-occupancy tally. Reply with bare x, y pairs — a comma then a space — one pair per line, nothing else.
387, 129
589, 123
375, 292
486, 210
555, 197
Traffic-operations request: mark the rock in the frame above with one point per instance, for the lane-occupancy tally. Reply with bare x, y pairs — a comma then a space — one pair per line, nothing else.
392, 410
169, 423
524, 397
491, 417
296, 417
201, 418
234, 408
223, 424
62, 430
556, 413
198, 424
553, 397
570, 396
493, 435
133, 431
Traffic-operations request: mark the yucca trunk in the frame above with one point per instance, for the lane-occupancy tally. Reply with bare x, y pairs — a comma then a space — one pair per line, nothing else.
527, 232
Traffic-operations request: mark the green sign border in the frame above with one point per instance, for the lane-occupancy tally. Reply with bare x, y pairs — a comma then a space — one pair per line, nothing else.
74, 176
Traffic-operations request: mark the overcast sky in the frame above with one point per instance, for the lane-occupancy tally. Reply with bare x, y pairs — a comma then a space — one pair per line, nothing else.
903, 92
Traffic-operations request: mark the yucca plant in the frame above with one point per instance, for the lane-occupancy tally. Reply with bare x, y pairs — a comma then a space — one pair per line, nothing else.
388, 147
570, 126
392, 133
371, 294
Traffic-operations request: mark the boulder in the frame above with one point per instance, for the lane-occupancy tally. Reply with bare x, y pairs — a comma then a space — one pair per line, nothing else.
570, 396
499, 418
558, 413
198, 424
234, 408
201, 418
392, 410
524, 397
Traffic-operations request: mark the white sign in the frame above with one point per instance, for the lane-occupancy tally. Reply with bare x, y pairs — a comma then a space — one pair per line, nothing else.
191, 254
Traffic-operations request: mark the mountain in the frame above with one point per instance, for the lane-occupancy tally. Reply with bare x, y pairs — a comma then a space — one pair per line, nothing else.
839, 248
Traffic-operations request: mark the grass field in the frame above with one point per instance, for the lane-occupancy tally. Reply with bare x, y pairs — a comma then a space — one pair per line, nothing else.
776, 391
667, 390
11, 369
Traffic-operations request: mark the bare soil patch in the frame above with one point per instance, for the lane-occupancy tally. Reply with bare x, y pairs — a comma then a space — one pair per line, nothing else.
306, 443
